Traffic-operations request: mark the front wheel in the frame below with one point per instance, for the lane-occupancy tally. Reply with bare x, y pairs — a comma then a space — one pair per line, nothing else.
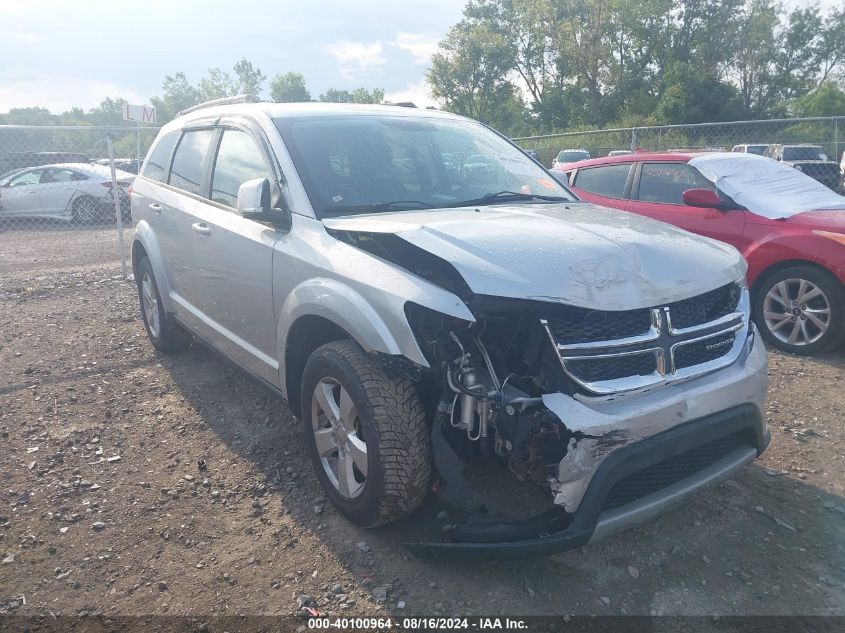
366, 433
800, 309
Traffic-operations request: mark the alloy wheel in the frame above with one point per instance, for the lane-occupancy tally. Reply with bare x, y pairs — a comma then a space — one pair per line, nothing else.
149, 303
796, 312
337, 435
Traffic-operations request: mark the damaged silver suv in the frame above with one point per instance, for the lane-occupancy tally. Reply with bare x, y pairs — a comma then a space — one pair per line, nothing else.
442, 315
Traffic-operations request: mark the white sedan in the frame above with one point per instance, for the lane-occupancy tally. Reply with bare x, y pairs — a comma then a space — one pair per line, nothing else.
76, 192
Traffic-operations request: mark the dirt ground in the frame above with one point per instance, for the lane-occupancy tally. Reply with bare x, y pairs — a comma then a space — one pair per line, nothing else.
135, 483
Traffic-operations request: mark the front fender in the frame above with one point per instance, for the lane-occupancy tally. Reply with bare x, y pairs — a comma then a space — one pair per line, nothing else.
382, 330
145, 237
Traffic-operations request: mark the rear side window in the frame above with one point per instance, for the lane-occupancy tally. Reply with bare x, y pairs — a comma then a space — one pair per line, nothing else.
238, 160
666, 182
190, 160
608, 180
159, 160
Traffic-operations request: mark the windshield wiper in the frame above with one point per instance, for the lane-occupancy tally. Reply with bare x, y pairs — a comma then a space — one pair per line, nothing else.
508, 196
393, 205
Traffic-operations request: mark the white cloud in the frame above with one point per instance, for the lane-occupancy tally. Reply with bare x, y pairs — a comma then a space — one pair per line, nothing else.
357, 56
420, 46
417, 93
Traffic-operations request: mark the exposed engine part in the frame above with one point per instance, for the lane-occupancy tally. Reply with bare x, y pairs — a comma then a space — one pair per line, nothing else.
540, 443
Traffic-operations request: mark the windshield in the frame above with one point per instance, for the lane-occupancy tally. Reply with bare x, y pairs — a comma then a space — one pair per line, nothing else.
756, 149
803, 153
372, 163
573, 156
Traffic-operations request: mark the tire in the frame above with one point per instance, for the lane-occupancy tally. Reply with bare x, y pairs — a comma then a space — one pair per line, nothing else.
384, 414
164, 333
86, 210
800, 309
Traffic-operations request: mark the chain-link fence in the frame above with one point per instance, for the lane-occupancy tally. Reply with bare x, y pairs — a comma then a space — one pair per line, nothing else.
57, 198
814, 144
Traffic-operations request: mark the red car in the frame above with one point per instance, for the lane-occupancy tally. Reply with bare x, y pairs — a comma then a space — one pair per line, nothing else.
790, 228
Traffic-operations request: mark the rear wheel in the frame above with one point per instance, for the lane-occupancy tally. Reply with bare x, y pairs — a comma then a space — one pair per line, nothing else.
85, 210
800, 309
366, 433
164, 333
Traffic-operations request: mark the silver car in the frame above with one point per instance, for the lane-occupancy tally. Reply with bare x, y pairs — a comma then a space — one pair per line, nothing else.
553, 369
75, 192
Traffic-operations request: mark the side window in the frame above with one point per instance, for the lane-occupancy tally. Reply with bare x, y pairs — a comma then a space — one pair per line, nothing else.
238, 160
160, 156
190, 160
666, 182
58, 175
29, 178
608, 180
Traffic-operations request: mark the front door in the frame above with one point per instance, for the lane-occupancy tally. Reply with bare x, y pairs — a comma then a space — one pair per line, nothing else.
20, 196
232, 260
658, 194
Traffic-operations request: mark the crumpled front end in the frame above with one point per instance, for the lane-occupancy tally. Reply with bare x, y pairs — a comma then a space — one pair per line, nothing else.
613, 414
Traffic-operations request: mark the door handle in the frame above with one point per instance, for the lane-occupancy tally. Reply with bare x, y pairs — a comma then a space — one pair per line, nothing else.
201, 228
156, 208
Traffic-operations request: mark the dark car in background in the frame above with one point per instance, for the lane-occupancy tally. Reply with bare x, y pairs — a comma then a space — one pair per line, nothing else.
22, 160
809, 159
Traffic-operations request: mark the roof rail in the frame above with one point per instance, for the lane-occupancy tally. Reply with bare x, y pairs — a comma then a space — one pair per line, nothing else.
223, 101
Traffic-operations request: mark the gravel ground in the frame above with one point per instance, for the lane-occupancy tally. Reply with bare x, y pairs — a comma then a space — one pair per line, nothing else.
134, 483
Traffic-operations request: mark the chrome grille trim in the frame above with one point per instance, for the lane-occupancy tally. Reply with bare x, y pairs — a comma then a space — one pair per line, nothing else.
661, 340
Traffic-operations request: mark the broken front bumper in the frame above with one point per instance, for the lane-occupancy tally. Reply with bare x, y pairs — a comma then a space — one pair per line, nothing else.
638, 454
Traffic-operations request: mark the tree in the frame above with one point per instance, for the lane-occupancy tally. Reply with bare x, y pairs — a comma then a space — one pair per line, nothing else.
248, 78
470, 74
216, 85
359, 95
177, 94
693, 95
109, 112
826, 100
289, 88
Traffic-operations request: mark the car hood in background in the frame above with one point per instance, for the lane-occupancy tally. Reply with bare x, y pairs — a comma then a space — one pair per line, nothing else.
574, 253
764, 186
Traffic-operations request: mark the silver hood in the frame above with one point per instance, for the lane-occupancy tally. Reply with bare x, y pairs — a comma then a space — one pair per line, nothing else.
574, 253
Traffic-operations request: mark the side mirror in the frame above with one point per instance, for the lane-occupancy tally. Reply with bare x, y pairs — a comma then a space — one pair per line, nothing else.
706, 198
254, 204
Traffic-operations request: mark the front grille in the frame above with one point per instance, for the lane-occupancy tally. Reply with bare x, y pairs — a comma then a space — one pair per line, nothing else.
600, 349
613, 368
672, 470
704, 308
571, 326
703, 351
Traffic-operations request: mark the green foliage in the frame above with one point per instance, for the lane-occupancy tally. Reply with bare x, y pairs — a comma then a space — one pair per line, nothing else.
359, 95
826, 100
601, 62
289, 88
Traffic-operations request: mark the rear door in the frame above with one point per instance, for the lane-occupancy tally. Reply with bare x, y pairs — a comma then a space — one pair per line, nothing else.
58, 186
657, 192
173, 213
607, 185
232, 257
19, 197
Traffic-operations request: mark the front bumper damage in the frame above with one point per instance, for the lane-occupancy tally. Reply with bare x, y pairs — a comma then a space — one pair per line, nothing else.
623, 443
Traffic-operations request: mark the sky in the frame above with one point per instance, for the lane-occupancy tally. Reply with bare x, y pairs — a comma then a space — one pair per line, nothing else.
58, 53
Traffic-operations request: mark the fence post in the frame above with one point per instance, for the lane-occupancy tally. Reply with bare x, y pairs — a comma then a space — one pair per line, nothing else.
836, 155
121, 251
633, 139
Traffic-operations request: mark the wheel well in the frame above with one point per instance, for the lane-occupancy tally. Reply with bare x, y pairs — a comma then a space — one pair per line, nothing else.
787, 263
306, 335
138, 253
